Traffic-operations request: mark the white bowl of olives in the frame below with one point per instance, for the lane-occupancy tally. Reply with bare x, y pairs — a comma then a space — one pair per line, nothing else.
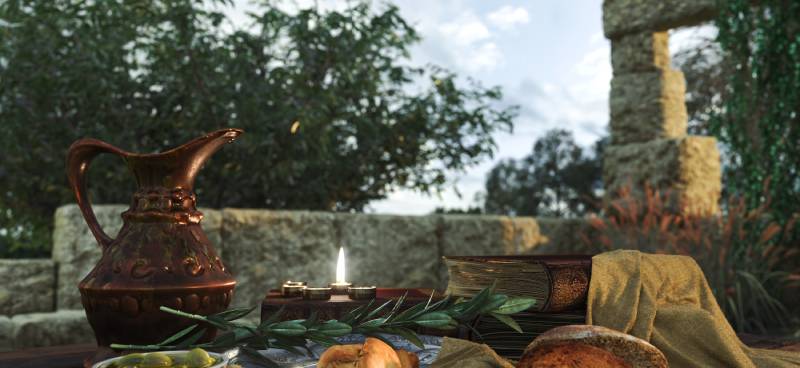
195, 358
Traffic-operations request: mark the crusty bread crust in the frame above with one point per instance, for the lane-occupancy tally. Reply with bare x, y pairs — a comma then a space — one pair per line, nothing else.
408, 359
373, 354
637, 352
571, 354
340, 356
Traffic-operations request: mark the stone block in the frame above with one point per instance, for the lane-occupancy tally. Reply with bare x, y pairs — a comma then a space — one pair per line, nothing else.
212, 226
264, 248
688, 167
640, 52
390, 251
28, 286
646, 106
564, 236
527, 235
62, 327
621, 17
76, 251
6, 334
469, 235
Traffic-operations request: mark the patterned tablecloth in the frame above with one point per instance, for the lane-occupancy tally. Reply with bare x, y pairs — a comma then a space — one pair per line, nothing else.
290, 360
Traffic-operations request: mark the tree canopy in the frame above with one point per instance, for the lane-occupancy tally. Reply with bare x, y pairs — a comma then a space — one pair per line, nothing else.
335, 113
558, 178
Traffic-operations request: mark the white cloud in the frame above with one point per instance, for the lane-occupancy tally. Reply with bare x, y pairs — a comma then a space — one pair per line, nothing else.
508, 16
465, 30
467, 42
485, 56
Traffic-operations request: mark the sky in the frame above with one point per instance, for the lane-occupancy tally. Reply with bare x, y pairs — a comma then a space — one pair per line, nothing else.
549, 57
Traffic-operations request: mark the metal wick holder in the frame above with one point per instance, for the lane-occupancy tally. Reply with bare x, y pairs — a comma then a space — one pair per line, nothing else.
362, 292
293, 289
317, 293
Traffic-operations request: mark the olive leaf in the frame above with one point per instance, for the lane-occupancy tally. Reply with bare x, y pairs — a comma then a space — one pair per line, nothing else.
391, 317
514, 305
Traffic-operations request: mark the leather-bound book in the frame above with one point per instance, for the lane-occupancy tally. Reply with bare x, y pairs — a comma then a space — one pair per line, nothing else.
558, 283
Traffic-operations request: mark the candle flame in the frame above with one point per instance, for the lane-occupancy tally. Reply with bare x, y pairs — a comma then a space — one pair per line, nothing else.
340, 266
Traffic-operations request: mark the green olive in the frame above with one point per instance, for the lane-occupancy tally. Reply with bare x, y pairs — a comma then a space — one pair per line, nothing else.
156, 360
130, 359
198, 358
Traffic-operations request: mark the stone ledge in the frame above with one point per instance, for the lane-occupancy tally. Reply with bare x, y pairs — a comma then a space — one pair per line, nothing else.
622, 17
264, 248
640, 52
46, 329
688, 166
646, 106
28, 286
563, 236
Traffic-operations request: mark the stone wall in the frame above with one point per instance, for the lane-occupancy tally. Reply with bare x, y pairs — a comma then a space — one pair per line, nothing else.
40, 304
649, 144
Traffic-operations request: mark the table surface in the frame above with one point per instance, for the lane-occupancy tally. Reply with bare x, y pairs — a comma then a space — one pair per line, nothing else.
71, 356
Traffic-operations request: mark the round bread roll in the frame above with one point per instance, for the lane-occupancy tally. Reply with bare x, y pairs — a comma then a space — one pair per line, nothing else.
373, 354
571, 354
576, 341
408, 359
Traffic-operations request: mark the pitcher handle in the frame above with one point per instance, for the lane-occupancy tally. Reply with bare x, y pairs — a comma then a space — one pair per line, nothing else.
79, 156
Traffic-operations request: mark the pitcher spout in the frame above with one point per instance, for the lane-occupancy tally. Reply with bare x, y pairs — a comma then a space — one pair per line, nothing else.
178, 167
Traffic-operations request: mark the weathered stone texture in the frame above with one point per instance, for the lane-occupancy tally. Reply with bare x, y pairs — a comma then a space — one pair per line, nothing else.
640, 52
49, 329
527, 235
76, 251
264, 248
622, 17
28, 286
688, 167
6, 334
646, 106
563, 236
388, 250
467, 235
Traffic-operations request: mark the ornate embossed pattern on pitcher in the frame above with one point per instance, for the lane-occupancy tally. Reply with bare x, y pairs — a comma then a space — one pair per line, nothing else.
161, 256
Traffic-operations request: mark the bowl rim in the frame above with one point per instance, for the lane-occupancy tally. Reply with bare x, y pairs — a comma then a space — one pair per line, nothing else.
223, 359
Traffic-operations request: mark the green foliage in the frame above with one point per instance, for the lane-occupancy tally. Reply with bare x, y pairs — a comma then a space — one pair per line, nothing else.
556, 179
742, 253
335, 114
387, 318
471, 210
759, 123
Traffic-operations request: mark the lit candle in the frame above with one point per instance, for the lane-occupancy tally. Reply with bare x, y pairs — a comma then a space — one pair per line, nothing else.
340, 286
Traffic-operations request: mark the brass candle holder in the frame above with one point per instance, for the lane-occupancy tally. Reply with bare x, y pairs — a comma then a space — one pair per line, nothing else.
293, 289
317, 293
339, 288
362, 292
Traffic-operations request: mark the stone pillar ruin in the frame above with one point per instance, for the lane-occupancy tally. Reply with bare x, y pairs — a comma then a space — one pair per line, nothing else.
649, 143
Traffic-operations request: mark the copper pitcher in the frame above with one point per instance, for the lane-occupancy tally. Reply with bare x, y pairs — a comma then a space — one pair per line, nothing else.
160, 256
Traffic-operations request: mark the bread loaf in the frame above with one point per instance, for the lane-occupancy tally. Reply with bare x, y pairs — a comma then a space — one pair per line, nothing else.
590, 346
373, 353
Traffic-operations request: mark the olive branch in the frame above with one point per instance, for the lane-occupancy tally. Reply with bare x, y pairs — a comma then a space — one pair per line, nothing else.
293, 335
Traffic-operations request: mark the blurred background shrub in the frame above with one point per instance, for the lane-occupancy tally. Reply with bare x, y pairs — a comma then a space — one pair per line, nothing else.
335, 114
749, 259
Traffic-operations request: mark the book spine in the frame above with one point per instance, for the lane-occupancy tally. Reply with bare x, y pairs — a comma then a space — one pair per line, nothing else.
569, 286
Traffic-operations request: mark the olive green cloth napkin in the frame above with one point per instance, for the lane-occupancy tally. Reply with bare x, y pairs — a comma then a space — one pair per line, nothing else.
666, 300
456, 353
